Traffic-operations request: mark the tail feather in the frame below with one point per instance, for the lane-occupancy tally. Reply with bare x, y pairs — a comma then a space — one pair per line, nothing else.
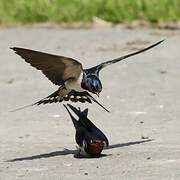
93, 99
73, 96
75, 122
24, 107
83, 97
49, 99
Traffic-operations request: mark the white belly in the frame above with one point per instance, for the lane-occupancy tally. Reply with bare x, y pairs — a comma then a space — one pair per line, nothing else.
75, 84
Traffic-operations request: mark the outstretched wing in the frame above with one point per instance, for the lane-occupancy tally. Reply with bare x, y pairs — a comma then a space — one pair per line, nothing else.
56, 68
97, 68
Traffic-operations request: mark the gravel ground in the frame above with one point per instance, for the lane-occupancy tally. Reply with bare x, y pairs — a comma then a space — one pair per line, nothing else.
142, 94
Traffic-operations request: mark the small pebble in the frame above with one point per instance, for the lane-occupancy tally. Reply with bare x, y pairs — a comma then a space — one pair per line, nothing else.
107, 97
153, 93
67, 164
163, 72
10, 81
55, 115
144, 137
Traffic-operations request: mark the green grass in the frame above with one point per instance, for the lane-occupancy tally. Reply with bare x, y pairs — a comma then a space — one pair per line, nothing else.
69, 11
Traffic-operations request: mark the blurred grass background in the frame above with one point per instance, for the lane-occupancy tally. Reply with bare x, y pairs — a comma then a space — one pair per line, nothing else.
70, 11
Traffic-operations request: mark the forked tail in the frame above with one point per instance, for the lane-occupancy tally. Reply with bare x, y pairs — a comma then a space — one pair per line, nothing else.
73, 96
52, 98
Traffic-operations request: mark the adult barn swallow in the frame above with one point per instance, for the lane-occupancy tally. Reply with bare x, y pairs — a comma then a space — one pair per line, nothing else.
74, 82
90, 139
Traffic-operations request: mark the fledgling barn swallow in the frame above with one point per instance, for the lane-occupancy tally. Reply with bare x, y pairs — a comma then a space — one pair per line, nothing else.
74, 82
90, 139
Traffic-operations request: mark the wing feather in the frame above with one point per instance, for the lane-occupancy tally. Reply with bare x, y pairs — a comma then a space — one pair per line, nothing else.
56, 68
97, 68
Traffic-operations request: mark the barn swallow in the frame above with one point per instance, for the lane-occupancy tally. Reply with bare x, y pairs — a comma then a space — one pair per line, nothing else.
74, 82
90, 139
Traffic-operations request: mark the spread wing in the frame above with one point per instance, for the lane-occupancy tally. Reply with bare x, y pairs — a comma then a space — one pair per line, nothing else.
97, 68
56, 68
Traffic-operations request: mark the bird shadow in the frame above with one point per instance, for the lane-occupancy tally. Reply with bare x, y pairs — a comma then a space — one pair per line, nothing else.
128, 144
74, 152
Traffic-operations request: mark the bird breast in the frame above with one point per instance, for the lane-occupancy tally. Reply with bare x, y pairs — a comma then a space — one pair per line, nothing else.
75, 84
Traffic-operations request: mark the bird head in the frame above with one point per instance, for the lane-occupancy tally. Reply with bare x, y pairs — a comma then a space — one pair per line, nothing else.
92, 83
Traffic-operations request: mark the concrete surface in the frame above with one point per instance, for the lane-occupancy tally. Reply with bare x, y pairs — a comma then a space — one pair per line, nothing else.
142, 93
